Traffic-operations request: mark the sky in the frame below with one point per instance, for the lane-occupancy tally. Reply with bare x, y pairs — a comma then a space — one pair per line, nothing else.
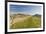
25, 9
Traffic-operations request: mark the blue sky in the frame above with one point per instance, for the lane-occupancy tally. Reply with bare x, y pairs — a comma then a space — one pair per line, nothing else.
25, 9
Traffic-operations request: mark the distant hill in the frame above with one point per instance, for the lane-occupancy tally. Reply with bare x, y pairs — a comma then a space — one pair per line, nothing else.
18, 15
37, 15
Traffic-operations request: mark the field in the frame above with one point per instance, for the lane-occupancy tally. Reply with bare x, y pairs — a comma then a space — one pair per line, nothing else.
21, 21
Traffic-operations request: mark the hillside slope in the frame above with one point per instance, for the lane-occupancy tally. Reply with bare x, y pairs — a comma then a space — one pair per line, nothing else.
25, 22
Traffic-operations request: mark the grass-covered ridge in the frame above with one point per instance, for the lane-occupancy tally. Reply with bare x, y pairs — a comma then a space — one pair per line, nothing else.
26, 21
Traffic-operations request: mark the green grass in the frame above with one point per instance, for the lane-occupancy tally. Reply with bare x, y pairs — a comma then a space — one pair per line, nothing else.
31, 22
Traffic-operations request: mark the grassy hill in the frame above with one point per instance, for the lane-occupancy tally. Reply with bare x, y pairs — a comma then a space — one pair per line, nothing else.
27, 21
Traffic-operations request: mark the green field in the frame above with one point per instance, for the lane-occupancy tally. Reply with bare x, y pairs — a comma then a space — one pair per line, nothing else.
29, 22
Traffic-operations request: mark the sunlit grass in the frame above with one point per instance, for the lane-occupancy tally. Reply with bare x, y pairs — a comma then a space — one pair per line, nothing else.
31, 22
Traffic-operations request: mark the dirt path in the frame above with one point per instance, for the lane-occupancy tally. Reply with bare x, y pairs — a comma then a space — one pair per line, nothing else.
19, 19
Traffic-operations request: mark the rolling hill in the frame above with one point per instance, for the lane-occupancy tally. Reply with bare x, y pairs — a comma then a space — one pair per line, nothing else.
19, 21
